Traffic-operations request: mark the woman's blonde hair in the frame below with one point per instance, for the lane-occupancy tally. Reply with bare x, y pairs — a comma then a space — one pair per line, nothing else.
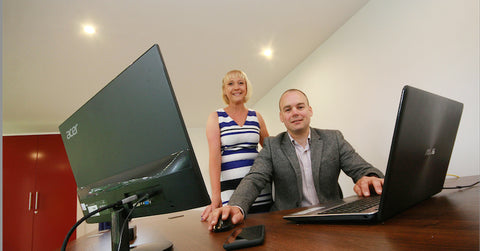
236, 74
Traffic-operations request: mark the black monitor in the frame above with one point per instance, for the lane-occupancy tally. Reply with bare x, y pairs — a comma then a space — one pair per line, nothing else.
130, 140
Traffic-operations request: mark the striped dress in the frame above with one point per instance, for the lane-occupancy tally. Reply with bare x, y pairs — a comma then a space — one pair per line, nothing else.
239, 150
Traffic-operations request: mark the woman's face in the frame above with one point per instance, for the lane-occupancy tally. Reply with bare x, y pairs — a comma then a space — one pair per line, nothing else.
235, 90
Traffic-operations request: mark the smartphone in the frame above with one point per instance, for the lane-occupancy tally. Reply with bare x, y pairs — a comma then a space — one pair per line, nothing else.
245, 237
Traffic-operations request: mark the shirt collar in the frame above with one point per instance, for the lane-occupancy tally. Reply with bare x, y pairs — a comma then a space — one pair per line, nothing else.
293, 140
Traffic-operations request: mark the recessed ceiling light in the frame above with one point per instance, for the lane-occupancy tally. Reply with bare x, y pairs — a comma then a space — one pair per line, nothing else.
267, 53
89, 29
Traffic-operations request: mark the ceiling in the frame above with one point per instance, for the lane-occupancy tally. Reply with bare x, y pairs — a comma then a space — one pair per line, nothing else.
51, 67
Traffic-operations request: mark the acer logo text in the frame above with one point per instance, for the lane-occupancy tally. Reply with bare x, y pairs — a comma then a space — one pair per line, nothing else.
72, 132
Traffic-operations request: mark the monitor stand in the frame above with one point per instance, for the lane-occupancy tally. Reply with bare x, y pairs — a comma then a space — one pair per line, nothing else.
121, 236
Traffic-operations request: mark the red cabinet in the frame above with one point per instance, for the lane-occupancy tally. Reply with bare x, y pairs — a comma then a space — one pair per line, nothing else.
39, 193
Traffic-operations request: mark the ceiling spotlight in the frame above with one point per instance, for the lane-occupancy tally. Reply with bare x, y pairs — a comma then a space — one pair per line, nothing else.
267, 53
89, 29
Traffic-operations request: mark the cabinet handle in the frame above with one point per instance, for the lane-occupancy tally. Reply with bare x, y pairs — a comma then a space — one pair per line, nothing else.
36, 202
29, 201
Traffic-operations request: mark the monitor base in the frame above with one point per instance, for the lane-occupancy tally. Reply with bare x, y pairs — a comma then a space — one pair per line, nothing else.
157, 245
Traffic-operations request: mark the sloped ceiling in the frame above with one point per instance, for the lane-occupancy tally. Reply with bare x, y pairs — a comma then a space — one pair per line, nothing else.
51, 67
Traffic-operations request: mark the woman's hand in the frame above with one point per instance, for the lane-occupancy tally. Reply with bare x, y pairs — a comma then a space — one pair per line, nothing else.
209, 209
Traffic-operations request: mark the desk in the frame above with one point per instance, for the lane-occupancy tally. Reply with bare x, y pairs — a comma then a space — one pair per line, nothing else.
447, 221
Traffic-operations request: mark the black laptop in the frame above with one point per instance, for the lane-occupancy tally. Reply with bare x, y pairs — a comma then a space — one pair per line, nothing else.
422, 144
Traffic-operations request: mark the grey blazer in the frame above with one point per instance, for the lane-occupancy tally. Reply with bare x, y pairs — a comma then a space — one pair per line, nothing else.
277, 163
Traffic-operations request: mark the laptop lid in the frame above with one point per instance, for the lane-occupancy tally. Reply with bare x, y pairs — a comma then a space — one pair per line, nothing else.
422, 144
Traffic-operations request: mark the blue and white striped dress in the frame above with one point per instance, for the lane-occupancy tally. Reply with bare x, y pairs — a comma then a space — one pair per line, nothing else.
239, 150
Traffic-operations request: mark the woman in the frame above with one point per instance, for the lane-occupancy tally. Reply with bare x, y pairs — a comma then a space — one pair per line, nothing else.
233, 134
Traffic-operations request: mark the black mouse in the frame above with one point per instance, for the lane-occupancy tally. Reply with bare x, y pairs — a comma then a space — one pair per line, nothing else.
222, 225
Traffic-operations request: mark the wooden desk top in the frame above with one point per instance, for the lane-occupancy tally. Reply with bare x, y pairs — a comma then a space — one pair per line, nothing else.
449, 220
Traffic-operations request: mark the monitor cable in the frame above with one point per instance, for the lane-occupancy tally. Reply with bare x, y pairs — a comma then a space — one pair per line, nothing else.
125, 223
118, 203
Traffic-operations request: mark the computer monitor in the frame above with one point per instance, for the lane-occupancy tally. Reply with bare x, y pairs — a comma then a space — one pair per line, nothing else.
130, 139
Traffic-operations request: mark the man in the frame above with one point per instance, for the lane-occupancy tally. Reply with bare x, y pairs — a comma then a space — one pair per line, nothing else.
304, 164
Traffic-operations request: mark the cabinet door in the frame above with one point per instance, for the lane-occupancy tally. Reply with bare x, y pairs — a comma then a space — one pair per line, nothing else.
19, 159
57, 198
39, 193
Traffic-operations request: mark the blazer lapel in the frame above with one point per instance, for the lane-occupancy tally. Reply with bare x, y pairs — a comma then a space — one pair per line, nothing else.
289, 151
316, 149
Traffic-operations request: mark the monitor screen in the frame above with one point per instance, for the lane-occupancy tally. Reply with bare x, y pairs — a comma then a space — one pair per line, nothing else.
130, 139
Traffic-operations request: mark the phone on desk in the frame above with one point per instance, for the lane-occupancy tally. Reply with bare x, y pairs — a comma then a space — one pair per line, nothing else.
245, 237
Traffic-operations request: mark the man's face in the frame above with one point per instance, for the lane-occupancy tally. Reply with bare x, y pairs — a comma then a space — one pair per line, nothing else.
295, 113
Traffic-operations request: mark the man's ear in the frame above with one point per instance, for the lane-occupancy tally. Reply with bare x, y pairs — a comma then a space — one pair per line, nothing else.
280, 116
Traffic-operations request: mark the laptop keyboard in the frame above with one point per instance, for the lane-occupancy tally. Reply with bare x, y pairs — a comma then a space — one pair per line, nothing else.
355, 206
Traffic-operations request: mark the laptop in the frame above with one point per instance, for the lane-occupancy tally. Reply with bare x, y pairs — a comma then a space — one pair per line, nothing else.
422, 144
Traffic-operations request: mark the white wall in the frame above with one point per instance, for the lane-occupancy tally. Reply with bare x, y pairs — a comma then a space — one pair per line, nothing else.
354, 79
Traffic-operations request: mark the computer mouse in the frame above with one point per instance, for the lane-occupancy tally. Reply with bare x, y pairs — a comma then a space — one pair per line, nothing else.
223, 225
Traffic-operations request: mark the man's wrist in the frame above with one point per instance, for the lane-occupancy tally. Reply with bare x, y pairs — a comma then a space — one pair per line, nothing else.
241, 210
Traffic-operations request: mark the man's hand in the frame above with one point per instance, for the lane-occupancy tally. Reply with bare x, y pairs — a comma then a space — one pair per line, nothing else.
363, 185
227, 212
